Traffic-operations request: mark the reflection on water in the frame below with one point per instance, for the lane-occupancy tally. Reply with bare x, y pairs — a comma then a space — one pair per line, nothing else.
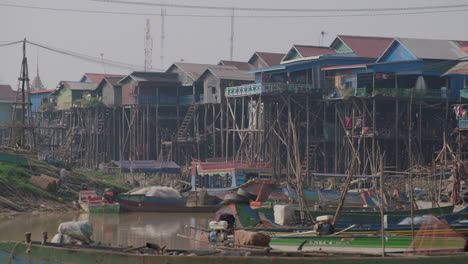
129, 229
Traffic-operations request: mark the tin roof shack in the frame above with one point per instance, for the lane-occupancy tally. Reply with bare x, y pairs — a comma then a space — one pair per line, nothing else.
151, 88
7, 98
215, 82
189, 73
414, 67
38, 98
110, 91
68, 93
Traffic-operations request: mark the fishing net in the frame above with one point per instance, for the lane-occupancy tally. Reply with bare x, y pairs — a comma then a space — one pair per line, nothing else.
435, 235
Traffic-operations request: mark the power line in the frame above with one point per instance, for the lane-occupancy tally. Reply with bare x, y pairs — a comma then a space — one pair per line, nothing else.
228, 16
284, 9
97, 60
10, 43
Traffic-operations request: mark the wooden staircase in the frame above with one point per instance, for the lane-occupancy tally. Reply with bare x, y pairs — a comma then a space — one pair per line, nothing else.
313, 148
181, 135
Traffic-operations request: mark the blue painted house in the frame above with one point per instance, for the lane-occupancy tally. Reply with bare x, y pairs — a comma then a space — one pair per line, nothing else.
408, 67
297, 75
38, 98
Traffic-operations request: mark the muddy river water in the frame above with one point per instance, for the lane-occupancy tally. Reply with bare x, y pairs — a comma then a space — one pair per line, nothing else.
126, 229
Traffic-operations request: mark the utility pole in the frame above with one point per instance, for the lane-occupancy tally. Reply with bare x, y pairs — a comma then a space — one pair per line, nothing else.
148, 46
18, 137
232, 34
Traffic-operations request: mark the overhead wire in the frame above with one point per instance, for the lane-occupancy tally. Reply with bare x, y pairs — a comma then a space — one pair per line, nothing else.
97, 60
10, 43
262, 9
228, 16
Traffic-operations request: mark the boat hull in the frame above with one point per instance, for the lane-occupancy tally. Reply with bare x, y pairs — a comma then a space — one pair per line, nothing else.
142, 203
20, 253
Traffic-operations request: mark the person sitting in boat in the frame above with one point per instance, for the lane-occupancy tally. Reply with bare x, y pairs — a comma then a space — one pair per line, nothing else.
108, 195
324, 225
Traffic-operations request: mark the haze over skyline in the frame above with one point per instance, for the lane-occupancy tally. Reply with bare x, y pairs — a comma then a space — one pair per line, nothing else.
192, 38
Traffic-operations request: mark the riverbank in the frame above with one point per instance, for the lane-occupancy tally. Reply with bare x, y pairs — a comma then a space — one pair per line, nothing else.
55, 190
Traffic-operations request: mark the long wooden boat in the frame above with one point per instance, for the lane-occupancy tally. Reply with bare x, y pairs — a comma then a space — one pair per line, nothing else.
35, 253
371, 219
365, 244
143, 203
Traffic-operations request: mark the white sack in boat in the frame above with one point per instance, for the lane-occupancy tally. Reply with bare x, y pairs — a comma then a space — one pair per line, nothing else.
158, 191
284, 214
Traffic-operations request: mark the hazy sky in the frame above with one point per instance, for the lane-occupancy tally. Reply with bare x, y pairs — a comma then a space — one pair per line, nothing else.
193, 39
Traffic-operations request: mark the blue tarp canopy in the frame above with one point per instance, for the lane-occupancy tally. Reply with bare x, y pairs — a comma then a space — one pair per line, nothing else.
147, 166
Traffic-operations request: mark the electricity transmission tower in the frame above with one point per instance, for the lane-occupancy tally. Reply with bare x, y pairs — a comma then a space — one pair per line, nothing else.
148, 46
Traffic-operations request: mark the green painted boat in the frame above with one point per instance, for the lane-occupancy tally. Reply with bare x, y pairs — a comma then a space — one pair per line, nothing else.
363, 244
35, 253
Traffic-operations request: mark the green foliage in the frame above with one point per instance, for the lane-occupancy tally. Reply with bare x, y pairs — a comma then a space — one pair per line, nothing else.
16, 178
348, 92
47, 106
92, 102
105, 180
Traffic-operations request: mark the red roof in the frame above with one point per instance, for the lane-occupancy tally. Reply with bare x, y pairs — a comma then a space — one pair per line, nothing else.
43, 91
310, 51
97, 77
269, 58
7, 94
368, 47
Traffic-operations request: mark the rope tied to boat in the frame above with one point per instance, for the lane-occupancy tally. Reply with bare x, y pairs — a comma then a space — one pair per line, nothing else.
10, 258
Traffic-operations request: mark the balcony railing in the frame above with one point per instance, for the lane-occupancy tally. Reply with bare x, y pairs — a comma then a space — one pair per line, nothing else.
463, 123
153, 99
186, 99
270, 88
415, 93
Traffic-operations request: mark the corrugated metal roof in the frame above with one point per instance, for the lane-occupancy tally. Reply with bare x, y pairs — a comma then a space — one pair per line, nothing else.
162, 77
241, 65
271, 59
230, 74
114, 81
195, 70
79, 86
7, 94
367, 47
460, 68
97, 77
147, 166
310, 51
434, 49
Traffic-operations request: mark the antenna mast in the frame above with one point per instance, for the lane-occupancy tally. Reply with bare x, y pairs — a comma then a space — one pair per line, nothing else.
148, 46
232, 34
163, 36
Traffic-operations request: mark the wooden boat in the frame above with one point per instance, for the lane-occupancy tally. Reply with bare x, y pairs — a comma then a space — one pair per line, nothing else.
222, 178
35, 253
370, 219
143, 203
90, 202
364, 244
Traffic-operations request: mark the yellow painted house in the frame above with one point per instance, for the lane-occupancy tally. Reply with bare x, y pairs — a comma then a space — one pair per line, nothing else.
68, 92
